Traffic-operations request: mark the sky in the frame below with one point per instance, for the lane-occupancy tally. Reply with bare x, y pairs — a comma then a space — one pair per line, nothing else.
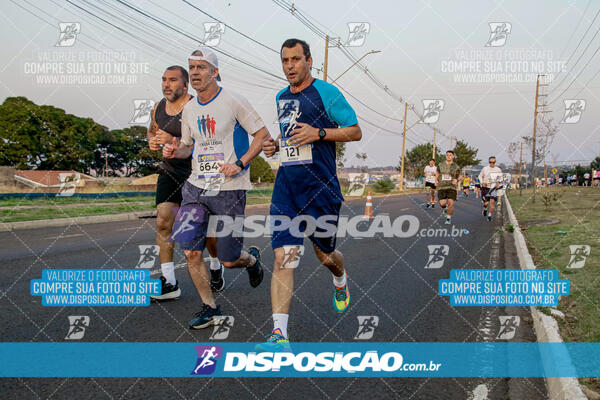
428, 50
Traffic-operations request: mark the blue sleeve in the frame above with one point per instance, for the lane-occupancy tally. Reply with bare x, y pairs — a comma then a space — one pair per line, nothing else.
277, 100
337, 108
277, 108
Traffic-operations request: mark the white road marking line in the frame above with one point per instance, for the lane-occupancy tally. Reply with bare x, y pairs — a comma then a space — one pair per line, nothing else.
480, 392
64, 236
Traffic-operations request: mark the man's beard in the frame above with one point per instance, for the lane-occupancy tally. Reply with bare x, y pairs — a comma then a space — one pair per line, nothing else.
176, 95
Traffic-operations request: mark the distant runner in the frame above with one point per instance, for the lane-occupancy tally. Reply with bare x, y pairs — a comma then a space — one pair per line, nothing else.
430, 183
448, 176
491, 179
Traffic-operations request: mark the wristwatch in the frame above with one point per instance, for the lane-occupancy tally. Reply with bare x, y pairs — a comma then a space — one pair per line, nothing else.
240, 164
322, 134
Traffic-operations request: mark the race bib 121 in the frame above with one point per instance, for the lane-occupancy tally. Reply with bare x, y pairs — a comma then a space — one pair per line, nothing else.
292, 155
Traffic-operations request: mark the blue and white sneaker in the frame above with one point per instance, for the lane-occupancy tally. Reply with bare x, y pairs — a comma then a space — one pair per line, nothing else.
275, 343
206, 317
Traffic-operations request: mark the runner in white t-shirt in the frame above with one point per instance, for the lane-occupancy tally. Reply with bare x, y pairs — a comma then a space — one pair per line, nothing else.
430, 183
491, 179
214, 131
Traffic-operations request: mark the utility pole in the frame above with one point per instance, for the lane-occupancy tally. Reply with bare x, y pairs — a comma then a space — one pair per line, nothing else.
521, 171
403, 147
105, 162
535, 114
452, 138
326, 55
545, 171
433, 152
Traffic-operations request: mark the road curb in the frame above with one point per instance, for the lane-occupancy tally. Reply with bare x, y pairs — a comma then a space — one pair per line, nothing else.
93, 219
546, 327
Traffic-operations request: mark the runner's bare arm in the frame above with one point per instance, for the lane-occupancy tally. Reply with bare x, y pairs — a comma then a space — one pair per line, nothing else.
481, 181
307, 134
180, 148
152, 143
177, 149
255, 148
271, 146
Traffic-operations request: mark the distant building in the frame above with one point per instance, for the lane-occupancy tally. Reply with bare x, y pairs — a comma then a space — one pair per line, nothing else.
41, 179
51, 179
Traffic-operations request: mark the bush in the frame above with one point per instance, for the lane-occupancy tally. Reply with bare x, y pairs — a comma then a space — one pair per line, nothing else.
550, 197
384, 186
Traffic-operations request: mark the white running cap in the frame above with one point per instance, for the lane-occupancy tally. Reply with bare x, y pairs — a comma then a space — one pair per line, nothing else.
207, 55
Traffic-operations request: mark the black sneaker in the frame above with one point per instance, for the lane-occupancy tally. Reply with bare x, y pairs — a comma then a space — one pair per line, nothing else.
255, 272
428, 205
432, 205
217, 280
206, 317
168, 291
485, 212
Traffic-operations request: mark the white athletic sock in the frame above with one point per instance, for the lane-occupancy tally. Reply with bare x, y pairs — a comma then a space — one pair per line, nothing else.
168, 271
280, 322
339, 281
214, 263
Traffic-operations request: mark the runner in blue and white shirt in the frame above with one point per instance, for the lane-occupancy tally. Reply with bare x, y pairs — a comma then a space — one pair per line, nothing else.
313, 115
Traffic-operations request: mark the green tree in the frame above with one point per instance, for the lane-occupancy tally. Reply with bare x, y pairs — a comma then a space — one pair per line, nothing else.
465, 155
362, 159
417, 158
340, 152
260, 170
45, 137
139, 159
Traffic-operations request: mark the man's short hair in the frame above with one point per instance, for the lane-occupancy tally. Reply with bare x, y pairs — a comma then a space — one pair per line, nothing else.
183, 71
293, 42
491, 158
450, 151
432, 160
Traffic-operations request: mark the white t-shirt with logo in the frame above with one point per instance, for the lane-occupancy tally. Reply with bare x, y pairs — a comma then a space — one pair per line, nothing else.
219, 132
490, 176
430, 173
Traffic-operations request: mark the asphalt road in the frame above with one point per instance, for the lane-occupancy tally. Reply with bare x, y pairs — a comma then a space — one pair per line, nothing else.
388, 279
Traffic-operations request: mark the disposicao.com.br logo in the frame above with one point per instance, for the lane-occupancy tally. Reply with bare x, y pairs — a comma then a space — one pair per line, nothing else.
328, 361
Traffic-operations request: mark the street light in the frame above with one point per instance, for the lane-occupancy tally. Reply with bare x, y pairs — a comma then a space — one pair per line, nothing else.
356, 62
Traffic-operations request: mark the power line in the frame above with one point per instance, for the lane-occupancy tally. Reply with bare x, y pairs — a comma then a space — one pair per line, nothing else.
277, 52
155, 47
320, 33
583, 52
230, 27
148, 15
574, 30
576, 77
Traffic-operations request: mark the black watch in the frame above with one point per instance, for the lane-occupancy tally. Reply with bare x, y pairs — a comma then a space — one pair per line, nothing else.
240, 164
322, 134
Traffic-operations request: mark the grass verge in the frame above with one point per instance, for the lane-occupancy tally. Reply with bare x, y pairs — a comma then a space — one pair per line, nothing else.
578, 209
